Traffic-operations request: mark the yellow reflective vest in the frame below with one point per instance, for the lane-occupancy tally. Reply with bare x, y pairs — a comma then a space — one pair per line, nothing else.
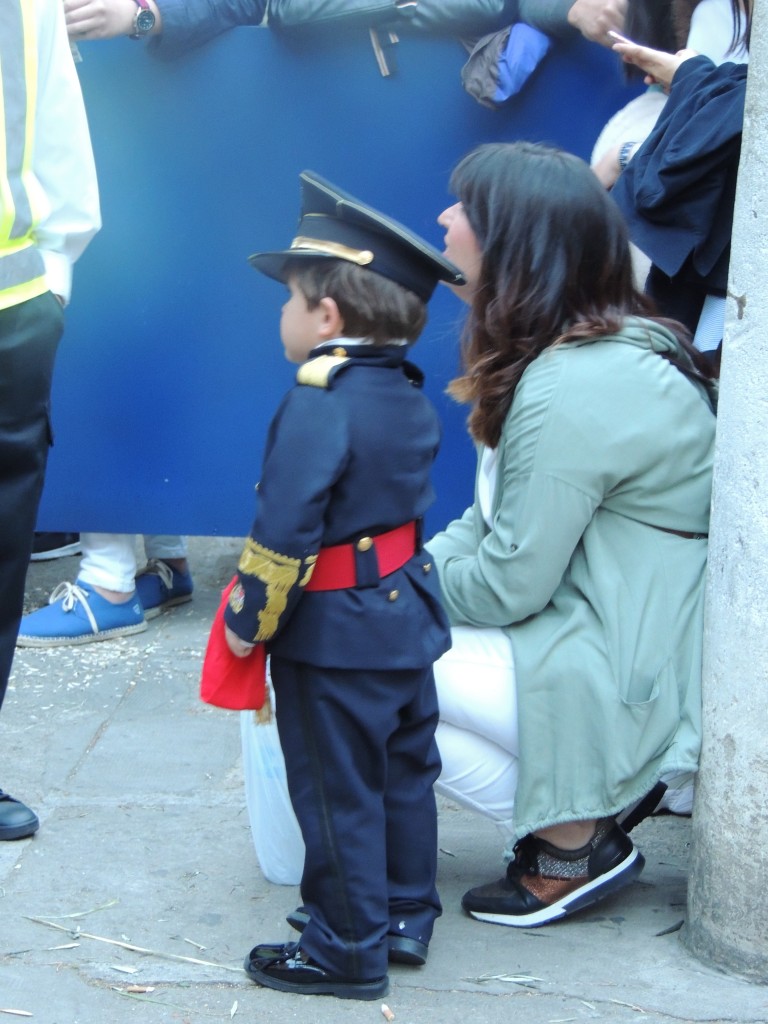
22, 200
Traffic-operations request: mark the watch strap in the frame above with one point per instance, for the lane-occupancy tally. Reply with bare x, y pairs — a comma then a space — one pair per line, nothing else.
144, 19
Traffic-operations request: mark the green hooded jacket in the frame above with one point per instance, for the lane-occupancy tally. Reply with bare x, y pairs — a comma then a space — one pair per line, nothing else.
605, 448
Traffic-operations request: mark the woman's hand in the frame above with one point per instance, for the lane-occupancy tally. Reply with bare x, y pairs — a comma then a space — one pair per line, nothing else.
240, 648
659, 67
594, 18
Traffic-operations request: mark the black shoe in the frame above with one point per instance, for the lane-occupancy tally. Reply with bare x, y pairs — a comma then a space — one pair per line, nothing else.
298, 919
287, 968
401, 948
47, 546
17, 821
544, 883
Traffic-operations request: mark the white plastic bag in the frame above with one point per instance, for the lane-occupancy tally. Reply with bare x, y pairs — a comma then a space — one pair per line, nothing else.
275, 831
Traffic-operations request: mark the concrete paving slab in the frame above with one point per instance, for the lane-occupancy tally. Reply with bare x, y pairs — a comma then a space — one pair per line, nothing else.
145, 875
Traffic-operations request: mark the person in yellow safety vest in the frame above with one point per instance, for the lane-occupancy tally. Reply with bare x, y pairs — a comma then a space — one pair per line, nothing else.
49, 211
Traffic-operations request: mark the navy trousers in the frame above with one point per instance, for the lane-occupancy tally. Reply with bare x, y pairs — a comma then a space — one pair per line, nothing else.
361, 761
29, 338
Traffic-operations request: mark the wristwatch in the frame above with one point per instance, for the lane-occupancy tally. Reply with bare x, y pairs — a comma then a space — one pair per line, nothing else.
626, 153
144, 20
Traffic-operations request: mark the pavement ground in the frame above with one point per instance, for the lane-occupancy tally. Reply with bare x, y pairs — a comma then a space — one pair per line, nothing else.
141, 893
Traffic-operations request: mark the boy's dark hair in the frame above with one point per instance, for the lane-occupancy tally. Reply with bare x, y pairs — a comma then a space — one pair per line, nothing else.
371, 306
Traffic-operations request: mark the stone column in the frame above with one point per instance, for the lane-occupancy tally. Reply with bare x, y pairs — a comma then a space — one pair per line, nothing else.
728, 889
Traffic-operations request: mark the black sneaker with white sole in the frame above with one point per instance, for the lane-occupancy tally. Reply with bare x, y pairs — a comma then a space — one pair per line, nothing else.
544, 883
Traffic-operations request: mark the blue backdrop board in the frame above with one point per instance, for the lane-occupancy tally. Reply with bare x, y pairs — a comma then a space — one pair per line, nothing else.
171, 364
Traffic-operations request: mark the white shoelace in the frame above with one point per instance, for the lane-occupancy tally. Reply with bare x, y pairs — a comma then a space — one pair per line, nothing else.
158, 568
70, 595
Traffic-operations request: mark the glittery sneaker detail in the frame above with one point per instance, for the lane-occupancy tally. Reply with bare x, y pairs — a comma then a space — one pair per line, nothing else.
544, 882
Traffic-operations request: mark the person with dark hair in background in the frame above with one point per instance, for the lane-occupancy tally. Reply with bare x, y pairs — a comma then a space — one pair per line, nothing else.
677, 193
715, 28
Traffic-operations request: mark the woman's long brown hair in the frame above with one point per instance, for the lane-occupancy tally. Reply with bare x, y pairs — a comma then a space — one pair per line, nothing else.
555, 268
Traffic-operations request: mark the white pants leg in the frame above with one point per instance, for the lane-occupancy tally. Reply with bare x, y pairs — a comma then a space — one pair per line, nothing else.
109, 561
164, 545
477, 732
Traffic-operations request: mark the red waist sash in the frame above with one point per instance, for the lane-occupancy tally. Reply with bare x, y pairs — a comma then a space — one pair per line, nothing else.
335, 566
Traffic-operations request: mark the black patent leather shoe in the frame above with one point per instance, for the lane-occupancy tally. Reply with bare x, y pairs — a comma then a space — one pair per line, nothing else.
401, 949
287, 968
17, 821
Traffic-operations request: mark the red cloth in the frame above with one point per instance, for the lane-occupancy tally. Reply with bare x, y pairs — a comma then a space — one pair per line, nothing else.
227, 681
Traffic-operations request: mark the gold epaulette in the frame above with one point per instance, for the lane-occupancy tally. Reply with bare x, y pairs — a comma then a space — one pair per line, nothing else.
317, 372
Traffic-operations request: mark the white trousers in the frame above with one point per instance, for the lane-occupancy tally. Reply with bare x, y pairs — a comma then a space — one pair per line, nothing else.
109, 559
477, 731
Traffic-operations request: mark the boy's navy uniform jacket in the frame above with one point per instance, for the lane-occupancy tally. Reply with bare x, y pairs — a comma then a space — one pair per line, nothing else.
348, 455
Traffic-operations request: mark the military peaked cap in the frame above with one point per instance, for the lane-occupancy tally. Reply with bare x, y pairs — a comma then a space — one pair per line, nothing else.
335, 225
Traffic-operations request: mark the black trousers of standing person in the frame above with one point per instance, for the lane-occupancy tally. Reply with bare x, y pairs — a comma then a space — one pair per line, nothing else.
361, 760
680, 297
29, 337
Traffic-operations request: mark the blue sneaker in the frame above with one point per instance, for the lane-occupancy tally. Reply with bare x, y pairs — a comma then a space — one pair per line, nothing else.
76, 614
160, 586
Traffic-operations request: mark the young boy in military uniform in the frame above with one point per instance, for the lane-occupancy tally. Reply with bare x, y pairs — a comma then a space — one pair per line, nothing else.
334, 581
